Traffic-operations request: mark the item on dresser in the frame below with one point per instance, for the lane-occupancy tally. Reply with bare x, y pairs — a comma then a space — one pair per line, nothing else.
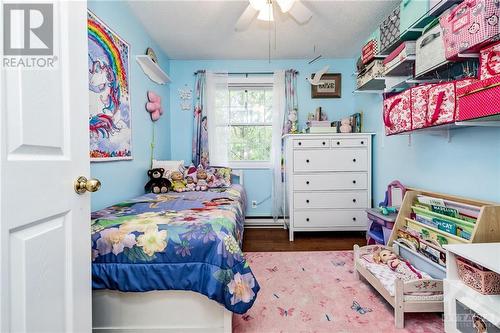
469, 26
397, 57
389, 31
397, 113
478, 278
369, 51
479, 99
429, 49
489, 62
345, 125
321, 130
373, 70
327, 181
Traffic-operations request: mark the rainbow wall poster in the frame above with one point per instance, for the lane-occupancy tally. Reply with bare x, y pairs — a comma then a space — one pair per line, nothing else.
110, 127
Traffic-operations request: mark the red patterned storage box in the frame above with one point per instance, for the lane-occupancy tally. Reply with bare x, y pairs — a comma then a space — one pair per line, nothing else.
489, 62
480, 99
397, 113
469, 26
369, 51
419, 101
442, 106
478, 278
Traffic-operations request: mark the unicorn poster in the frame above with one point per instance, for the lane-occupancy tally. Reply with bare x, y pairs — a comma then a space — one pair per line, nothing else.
109, 93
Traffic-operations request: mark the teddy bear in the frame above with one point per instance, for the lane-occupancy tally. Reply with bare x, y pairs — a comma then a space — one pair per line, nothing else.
201, 176
345, 126
157, 184
178, 183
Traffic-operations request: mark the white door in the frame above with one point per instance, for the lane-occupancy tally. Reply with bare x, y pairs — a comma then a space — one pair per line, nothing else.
44, 226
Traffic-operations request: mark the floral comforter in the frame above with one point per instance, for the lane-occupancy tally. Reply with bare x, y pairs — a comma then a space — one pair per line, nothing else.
175, 241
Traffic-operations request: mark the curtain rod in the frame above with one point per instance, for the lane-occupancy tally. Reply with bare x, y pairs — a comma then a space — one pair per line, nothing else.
244, 73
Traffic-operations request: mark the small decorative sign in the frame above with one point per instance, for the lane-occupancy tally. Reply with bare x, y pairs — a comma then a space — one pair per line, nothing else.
329, 86
185, 95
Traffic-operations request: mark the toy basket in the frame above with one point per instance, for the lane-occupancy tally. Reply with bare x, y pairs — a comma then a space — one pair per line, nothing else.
478, 278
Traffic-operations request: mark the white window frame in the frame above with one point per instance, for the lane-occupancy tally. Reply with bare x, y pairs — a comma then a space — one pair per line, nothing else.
264, 81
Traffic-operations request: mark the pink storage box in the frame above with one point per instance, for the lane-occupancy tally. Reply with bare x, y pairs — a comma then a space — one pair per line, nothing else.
397, 113
478, 278
479, 99
489, 62
419, 102
469, 26
442, 104
369, 51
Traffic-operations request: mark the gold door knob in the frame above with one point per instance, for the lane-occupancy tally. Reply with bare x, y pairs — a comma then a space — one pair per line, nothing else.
83, 184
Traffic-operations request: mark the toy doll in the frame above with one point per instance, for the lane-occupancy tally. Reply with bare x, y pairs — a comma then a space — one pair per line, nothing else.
403, 269
190, 184
201, 176
178, 183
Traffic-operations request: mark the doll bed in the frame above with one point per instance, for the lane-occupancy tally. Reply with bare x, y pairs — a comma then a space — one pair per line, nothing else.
424, 295
152, 252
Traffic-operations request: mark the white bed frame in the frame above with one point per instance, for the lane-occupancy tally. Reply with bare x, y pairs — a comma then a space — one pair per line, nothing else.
159, 311
401, 288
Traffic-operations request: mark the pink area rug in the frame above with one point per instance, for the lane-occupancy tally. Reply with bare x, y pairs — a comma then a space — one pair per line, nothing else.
318, 292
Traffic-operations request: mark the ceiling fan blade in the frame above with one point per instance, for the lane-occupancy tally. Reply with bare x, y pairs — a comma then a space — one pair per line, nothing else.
246, 18
300, 13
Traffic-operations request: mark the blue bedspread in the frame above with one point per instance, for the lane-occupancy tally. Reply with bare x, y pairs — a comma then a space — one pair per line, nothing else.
187, 241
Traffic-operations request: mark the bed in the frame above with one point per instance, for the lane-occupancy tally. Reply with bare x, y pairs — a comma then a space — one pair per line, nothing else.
171, 262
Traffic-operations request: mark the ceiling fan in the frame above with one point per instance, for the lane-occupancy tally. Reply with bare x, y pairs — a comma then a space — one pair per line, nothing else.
264, 9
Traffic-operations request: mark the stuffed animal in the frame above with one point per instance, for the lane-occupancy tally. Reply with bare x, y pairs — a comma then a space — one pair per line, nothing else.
404, 270
157, 184
154, 106
345, 126
178, 183
190, 184
201, 176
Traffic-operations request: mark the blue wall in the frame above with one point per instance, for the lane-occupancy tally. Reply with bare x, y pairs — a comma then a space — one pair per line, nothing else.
257, 182
468, 165
126, 179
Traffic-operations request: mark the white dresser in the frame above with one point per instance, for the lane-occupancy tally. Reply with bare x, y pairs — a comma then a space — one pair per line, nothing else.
327, 181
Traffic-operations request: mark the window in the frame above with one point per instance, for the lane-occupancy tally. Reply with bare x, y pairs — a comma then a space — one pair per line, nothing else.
249, 121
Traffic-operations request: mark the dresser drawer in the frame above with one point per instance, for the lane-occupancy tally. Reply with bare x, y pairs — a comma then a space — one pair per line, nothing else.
329, 218
341, 199
348, 159
362, 142
311, 143
331, 181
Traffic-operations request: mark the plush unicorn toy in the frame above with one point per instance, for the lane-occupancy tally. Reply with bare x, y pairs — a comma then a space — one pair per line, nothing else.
154, 106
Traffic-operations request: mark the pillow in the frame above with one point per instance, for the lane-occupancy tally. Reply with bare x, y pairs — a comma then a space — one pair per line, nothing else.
169, 166
219, 177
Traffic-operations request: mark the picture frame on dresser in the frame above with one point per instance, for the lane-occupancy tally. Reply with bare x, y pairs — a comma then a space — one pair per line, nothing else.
327, 181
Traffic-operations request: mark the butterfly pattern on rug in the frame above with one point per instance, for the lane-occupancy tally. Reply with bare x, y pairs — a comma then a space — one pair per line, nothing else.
361, 310
285, 313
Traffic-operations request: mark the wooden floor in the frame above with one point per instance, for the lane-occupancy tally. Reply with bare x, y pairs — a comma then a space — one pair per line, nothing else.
274, 240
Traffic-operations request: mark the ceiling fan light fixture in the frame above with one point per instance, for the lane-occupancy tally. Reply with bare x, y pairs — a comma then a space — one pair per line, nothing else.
258, 4
266, 13
285, 5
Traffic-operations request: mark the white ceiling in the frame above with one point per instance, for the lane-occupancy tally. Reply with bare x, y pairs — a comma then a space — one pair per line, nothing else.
205, 29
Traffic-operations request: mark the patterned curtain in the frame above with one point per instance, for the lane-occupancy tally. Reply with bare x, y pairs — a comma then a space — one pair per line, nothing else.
200, 132
291, 104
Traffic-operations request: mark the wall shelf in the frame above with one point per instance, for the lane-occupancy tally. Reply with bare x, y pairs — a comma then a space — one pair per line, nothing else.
152, 70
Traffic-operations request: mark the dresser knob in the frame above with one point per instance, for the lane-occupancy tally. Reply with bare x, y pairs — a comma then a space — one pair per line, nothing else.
354, 219
307, 219
338, 143
324, 143
354, 160
362, 142
354, 181
307, 161
307, 201
307, 182
300, 143
353, 200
